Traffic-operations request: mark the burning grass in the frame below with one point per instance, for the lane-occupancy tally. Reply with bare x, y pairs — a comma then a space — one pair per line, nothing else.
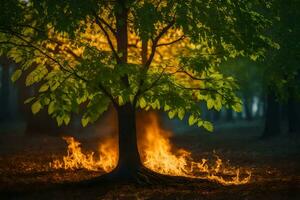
157, 154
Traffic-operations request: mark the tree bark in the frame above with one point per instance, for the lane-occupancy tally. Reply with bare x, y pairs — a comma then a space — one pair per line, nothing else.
293, 114
229, 115
5, 114
248, 108
272, 118
129, 161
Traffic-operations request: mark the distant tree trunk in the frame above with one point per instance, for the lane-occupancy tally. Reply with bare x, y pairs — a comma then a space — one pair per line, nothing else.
229, 115
260, 107
293, 113
248, 108
4, 90
272, 117
216, 116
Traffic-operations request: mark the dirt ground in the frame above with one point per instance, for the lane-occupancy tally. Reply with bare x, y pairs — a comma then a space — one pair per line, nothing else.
275, 166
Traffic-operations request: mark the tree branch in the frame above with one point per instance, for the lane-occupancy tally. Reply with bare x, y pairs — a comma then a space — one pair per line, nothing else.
112, 30
98, 22
30, 45
155, 41
172, 42
205, 89
154, 83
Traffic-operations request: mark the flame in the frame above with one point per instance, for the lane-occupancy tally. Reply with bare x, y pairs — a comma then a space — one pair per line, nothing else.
157, 154
76, 159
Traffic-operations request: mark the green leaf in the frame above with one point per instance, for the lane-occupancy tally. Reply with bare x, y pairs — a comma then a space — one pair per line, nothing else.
85, 120
237, 107
142, 102
36, 107
208, 126
218, 104
210, 103
67, 119
120, 100
167, 107
29, 100
16, 75
181, 113
59, 120
54, 86
200, 123
192, 120
51, 107
44, 88
171, 114
157, 104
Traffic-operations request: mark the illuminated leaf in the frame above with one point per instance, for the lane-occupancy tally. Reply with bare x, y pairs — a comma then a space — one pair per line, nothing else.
67, 119
36, 107
181, 113
51, 107
16, 75
142, 102
166, 107
59, 120
29, 100
208, 126
84, 121
171, 114
192, 120
210, 103
44, 88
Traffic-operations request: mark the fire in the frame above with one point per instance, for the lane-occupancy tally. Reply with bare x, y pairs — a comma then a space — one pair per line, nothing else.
157, 154
76, 159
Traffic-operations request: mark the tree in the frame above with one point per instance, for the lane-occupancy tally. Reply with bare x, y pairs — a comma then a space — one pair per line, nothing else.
133, 54
283, 67
4, 93
248, 75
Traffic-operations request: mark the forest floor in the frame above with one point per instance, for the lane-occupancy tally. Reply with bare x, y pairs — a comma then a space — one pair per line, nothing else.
275, 166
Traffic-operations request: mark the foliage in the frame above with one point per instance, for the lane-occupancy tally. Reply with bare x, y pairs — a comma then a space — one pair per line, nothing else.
249, 75
282, 66
72, 50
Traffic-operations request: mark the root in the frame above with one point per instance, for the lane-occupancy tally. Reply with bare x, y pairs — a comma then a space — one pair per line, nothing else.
146, 177
142, 177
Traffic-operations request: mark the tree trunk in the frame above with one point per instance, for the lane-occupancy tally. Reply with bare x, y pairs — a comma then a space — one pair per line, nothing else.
293, 114
4, 90
216, 116
129, 161
229, 115
248, 108
272, 118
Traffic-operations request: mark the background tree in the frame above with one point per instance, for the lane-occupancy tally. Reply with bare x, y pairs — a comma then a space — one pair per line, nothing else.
282, 68
248, 74
163, 55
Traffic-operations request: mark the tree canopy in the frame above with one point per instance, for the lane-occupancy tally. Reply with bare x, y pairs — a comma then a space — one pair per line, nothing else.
282, 69
152, 54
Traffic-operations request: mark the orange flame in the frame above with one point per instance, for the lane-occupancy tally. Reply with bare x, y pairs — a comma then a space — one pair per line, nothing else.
76, 159
157, 154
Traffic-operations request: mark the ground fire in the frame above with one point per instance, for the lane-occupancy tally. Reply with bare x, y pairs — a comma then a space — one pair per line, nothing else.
157, 154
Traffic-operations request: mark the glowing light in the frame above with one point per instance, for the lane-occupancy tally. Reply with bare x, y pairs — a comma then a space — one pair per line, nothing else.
76, 159
157, 154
